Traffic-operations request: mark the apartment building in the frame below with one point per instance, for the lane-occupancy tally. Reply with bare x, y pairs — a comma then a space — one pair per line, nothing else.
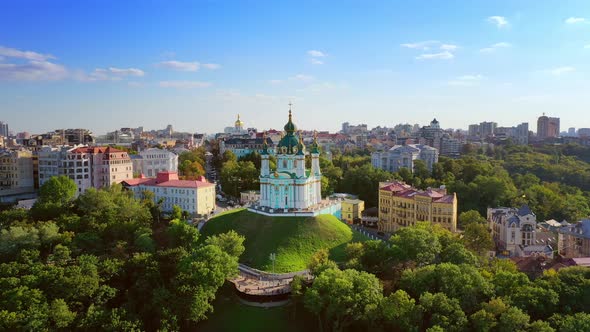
402, 205
152, 161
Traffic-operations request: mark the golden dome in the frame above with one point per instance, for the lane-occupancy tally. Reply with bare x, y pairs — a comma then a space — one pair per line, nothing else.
239, 123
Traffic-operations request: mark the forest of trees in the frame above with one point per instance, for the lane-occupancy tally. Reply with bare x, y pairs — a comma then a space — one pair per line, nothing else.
428, 279
106, 261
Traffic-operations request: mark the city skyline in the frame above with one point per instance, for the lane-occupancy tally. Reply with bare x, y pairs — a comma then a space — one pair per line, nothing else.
195, 66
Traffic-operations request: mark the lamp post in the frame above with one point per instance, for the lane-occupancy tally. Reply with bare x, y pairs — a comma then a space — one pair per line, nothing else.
273, 258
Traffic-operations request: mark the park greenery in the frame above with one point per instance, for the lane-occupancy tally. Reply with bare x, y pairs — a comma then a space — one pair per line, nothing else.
293, 240
107, 261
427, 279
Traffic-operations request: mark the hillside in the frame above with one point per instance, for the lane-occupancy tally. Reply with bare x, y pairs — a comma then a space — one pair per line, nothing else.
293, 239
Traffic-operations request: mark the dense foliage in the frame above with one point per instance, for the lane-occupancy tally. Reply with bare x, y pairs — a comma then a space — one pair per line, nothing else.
103, 262
404, 284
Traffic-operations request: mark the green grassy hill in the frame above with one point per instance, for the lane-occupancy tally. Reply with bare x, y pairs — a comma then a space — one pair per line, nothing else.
293, 239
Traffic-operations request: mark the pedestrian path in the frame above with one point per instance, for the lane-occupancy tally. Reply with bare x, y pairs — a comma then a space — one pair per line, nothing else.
255, 282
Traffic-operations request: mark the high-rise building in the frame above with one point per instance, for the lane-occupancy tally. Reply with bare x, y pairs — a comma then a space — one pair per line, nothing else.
404, 156
3, 129
431, 135
547, 127
571, 131
473, 130
522, 134
487, 129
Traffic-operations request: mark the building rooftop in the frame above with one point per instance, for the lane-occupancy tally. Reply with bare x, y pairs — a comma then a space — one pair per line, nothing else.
401, 189
169, 179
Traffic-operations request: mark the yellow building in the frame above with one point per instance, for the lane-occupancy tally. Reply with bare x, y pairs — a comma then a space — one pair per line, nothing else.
402, 205
16, 175
352, 209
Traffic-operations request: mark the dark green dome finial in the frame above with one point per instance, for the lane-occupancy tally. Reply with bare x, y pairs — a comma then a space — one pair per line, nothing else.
290, 126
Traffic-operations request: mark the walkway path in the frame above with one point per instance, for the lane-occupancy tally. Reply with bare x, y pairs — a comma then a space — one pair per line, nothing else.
255, 282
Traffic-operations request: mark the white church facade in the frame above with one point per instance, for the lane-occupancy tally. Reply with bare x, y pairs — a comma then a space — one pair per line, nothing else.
291, 188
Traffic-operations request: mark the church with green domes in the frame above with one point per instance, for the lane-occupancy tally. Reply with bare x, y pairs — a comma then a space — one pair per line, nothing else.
290, 187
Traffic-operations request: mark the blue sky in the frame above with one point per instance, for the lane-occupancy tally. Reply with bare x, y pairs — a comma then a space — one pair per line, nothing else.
196, 64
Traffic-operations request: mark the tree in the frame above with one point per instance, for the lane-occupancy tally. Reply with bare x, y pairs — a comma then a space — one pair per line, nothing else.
571, 323
55, 196
400, 311
477, 238
181, 234
60, 314
496, 315
464, 283
58, 189
415, 244
471, 217
456, 253
231, 243
364, 182
339, 298
442, 311
319, 262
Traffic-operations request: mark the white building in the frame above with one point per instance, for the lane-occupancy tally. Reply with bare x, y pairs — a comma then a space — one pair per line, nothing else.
197, 197
291, 187
50, 162
403, 156
89, 167
152, 161
515, 231
237, 129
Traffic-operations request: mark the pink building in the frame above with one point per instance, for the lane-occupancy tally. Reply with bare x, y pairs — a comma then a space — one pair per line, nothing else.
97, 167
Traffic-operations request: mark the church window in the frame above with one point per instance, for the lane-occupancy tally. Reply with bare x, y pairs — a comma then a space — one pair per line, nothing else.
284, 163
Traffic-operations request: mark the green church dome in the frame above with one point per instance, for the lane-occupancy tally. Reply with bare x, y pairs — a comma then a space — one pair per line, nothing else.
289, 143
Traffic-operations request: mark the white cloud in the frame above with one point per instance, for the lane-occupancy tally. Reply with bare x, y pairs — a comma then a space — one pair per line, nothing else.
315, 61
275, 82
301, 77
494, 47
446, 55
28, 55
32, 71
561, 70
110, 74
184, 84
575, 20
423, 45
127, 71
499, 21
467, 80
587, 46
211, 66
316, 53
135, 84
448, 47
179, 65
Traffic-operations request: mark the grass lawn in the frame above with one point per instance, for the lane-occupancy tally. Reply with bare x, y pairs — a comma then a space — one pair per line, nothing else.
293, 239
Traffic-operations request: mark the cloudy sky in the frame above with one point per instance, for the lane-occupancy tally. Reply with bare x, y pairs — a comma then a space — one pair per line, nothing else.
196, 64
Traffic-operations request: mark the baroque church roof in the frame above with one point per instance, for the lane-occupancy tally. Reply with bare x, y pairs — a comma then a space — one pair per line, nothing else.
289, 144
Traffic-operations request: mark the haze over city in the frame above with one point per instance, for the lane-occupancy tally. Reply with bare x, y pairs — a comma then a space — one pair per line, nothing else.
107, 65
